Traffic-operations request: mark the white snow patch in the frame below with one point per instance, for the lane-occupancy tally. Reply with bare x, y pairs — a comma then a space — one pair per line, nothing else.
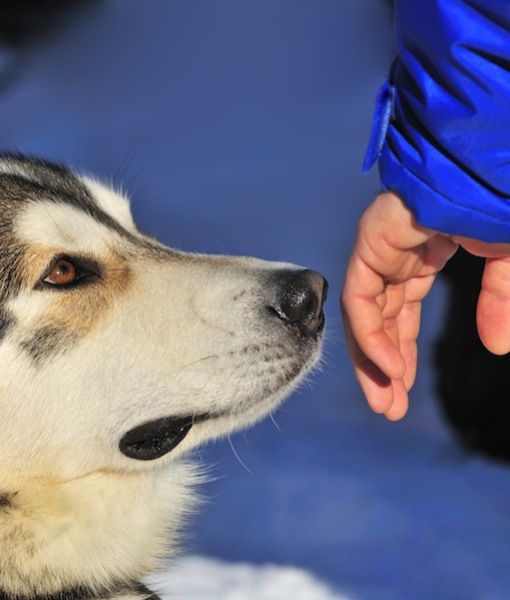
201, 578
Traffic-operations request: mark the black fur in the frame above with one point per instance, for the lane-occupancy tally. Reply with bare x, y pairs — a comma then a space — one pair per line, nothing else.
145, 592
46, 342
84, 593
56, 183
6, 322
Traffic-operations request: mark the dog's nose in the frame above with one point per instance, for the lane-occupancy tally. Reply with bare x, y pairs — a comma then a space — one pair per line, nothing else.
302, 300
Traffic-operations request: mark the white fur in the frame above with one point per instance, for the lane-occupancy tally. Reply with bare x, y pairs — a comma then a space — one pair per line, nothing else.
179, 338
113, 202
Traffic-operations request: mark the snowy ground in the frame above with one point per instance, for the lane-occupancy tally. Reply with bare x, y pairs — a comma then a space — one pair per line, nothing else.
238, 126
201, 578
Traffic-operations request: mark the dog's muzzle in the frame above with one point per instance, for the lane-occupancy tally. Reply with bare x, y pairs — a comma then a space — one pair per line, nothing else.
298, 301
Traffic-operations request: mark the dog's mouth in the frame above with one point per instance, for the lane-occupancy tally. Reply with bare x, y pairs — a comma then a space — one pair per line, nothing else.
154, 439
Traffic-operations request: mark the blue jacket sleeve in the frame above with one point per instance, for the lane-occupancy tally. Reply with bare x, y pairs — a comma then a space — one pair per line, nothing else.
444, 121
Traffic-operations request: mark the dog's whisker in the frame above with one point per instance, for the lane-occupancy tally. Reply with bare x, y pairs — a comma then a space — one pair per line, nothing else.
128, 156
278, 428
239, 459
199, 360
134, 177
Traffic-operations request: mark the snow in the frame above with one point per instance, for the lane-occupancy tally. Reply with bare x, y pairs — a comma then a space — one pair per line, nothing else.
202, 578
240, 127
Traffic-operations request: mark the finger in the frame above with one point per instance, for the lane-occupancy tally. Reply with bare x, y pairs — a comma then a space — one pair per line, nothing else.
410, 353
409, 327
364, 316
409, 324
483, 249
493, 310
383, 394
391, 313
375, 385
400, 387
395, 295
400, 405
438, 253
390, 218
418, 287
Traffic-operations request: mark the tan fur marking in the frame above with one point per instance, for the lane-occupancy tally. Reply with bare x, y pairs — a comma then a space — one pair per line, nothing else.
78, 311
44, 541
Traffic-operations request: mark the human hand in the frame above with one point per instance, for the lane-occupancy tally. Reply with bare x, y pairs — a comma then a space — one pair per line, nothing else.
392, 268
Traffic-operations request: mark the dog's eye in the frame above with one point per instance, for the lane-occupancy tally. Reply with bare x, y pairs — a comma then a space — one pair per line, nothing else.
62, 273
65, 272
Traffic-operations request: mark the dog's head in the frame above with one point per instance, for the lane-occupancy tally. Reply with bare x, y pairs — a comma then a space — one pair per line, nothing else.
117, 352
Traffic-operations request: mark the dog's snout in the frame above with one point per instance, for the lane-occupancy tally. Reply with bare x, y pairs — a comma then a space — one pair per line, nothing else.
301, 301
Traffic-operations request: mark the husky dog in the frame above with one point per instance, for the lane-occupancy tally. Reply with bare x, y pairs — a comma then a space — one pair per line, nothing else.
118, 355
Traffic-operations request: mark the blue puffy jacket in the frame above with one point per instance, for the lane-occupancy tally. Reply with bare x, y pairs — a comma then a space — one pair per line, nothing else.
442, 123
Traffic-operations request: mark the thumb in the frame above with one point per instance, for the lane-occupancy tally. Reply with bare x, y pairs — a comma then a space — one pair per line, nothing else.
493, 310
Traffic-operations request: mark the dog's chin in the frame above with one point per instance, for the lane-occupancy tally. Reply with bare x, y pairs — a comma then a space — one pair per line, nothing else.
174, 435
247, 412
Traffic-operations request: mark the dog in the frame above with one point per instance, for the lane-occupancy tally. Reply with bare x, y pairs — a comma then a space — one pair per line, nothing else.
119, 355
